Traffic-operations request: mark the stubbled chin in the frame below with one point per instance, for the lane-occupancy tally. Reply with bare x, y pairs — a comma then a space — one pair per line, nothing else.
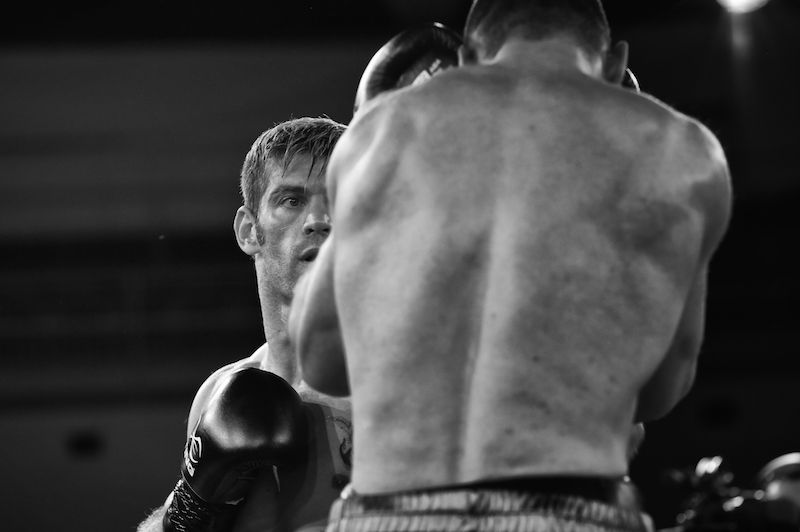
302, 267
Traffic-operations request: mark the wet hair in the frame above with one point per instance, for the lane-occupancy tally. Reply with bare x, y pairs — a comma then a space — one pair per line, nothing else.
275, 149
491, 22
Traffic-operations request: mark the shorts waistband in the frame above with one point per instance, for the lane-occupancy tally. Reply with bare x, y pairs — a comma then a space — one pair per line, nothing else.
502, 506
602, 489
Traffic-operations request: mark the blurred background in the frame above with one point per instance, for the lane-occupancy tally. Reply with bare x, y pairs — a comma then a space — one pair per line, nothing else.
123, 126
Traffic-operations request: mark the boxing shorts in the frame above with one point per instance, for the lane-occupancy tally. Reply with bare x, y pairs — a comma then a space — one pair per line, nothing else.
537, 504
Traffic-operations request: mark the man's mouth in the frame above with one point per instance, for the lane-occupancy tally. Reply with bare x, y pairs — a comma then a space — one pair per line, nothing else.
309, 255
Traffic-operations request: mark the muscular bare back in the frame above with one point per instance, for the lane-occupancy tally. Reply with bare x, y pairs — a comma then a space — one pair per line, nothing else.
519, 263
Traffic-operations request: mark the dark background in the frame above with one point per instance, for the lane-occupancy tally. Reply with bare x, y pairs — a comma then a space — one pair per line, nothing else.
122, 130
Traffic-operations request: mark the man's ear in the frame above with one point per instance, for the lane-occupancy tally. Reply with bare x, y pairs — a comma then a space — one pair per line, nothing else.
615, 63
244, 227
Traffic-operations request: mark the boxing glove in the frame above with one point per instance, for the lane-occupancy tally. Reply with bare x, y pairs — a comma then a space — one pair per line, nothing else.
253, 419
410, 57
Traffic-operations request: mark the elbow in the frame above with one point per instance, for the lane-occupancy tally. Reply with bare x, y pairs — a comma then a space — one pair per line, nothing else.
654, 408
663, 393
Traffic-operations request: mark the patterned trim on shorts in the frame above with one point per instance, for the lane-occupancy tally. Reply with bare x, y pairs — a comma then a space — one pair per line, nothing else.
484, 510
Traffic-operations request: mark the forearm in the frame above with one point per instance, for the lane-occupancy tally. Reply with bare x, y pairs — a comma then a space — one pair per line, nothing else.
154, 522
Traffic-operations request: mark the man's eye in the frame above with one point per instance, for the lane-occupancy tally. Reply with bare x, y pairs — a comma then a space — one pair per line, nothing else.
291, 202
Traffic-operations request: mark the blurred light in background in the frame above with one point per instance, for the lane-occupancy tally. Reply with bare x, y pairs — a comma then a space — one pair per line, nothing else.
741, 36
742, 6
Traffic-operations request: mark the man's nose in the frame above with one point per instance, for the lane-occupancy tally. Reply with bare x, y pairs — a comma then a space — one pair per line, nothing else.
317, 222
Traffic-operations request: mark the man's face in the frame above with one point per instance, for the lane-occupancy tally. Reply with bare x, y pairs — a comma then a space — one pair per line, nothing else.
293, 221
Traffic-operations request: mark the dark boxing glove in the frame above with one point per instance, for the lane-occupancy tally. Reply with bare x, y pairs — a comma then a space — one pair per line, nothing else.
410, 57
253, 419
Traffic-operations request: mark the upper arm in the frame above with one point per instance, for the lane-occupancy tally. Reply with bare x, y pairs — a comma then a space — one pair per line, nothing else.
314, 327
201, 400
675, 375
710, 194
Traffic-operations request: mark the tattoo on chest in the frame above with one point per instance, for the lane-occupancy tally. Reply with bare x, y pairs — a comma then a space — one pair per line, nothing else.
344, 431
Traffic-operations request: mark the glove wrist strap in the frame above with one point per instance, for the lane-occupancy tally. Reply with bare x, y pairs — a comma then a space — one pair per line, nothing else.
189, 513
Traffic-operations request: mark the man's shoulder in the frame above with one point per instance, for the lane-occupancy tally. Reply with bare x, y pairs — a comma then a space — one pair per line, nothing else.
652, 128
692, 143
383, 115
679, 129
691, 154
206, 390
413, 104
257, 360
379, 133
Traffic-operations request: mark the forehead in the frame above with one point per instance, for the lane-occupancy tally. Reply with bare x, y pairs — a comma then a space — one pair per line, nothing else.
300, 173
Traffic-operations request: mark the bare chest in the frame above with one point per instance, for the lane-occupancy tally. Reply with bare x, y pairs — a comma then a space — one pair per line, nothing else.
307, 492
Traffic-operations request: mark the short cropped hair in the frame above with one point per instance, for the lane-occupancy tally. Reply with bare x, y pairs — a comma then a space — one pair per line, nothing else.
275, 149
491, 22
